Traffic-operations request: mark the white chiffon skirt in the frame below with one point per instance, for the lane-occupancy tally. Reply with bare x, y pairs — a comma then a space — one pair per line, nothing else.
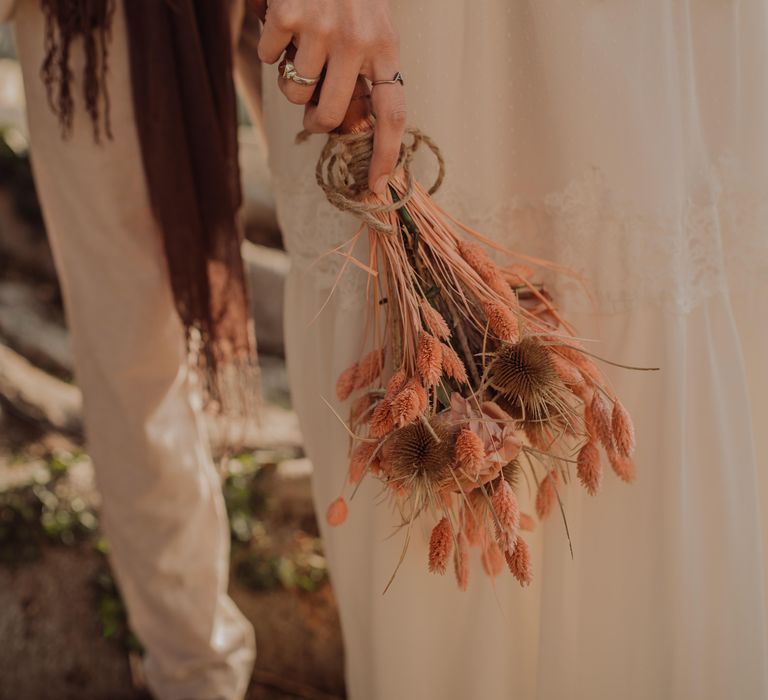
630, 142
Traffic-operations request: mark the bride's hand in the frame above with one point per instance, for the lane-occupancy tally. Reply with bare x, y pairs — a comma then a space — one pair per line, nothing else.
349, 37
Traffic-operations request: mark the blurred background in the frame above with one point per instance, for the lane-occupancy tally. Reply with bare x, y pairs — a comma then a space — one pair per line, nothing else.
63, 628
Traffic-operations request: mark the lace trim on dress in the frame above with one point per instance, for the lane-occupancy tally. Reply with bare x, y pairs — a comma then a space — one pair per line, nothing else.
713, 244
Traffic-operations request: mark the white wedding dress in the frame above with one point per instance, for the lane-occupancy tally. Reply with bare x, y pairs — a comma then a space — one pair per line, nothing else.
628, 140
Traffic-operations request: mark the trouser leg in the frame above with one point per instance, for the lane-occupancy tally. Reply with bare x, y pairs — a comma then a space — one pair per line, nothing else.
162, 511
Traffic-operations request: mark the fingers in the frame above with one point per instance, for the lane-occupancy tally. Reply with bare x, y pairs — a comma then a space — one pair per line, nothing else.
276, 33
309, 61
389, 106
335, 95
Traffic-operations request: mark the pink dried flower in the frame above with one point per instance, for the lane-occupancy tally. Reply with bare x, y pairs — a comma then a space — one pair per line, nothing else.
469, 525
429, 359
370, 367
345, 384
337, 512
623, 429
570, 376
461, 562
470, 451
434, 320
588, 467
492, 558
488, 270
518, 274
421, 392
519, 561
440, 546
381, 420
452, 365
623, 466
502, 321
546, 496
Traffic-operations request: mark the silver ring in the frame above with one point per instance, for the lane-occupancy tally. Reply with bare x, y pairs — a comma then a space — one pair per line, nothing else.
397, 79
288, 71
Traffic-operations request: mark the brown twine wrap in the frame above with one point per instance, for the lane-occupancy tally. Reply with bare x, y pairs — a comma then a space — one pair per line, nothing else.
342, 173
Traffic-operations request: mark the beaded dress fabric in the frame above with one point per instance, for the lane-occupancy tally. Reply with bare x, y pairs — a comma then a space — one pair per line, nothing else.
628, 141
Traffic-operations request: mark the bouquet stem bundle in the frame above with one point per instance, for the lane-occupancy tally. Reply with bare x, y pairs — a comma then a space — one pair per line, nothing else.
472, 380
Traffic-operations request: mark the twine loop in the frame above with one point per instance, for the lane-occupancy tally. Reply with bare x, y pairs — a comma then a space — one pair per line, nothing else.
342, 173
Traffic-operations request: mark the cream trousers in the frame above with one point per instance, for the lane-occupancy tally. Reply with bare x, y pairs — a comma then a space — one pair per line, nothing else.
163, 511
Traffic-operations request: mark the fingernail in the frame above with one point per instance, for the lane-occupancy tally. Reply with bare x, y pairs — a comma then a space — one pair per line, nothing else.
381, 184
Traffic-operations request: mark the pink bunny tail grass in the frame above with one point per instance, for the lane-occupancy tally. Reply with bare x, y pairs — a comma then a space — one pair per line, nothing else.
396, 383
406, 406
527, 523
489, 272
381, 420
470, 451
434, 320
546, 496
440, 547
362, 459
421, 392
588, 467
492, 558
516, 275
519, 561
470, 526
585, 366
337, 512
599, 420
506, 507
429, 359
452, 365
358, 413
502, 322
461, 562
369, 368
623, 429
623, 466
345, 384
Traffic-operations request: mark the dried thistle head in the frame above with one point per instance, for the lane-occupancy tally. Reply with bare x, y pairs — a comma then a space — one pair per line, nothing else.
525, 377
422, 452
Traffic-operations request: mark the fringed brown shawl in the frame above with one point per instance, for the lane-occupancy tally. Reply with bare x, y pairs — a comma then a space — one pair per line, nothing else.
185, 107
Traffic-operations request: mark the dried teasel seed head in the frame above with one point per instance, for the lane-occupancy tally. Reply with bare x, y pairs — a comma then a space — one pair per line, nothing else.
519, 561
523, 373
440, 546
623, 429
345, 384
429, 359
502, 322
546, 496
470, 451
337, 512
588, 467
369, 368
424, 452
434, 320
623, 466
452, 365
461, 562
